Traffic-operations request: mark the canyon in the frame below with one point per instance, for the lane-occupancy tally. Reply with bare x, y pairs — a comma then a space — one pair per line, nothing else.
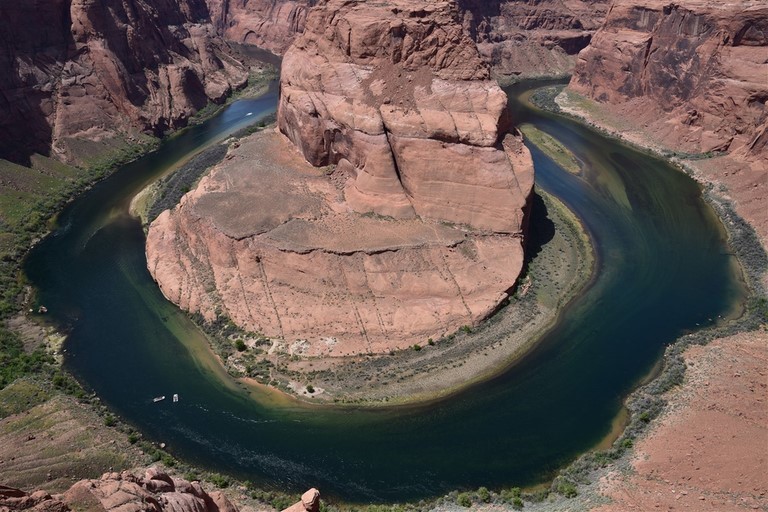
518, 39
339, 220
80, 78
691, 80
361, 243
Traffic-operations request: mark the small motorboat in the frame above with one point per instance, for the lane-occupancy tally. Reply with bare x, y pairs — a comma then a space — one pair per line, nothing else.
175, 398
158, 398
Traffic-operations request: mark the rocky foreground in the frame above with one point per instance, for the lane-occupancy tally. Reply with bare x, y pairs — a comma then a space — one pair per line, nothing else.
409, 225
155, 491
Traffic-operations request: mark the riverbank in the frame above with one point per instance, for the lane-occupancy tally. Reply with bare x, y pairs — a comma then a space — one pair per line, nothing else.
745, 187
561, 267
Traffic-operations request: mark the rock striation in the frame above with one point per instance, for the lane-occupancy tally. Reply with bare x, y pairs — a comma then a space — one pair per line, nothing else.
688, 78
399, 219
538, 38
397, 96
516, 38
268, 24
693, 72
85, 70
122, 492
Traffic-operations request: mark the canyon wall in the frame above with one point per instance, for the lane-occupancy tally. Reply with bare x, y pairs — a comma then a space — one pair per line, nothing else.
690, 79
81, 70
533, 37
268, 24
517, 37
694, 72
399, 219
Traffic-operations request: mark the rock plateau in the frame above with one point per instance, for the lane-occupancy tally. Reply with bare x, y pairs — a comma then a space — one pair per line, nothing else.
74, 73
407, 225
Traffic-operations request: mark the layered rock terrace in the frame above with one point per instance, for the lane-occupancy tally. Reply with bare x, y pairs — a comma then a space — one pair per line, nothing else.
400, 218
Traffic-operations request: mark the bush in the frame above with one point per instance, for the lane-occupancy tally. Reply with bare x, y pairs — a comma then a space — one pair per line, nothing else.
310, 388
219, 480
240, 345
484, 495
464, 500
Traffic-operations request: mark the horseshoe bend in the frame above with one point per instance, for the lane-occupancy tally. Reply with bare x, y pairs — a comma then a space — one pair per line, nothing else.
387, 208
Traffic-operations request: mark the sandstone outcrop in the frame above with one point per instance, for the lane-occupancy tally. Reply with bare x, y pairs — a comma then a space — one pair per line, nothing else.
310, 502
81, 70
532, 38
695, 71
268, 24
122, 492
516, 38
690, 77
411, 227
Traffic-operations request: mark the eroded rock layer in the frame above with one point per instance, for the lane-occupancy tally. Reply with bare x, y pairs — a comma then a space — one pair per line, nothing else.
74, 70
516, 37
410, 228
398, 97
268, 24
532, 38
693, 72
122, 492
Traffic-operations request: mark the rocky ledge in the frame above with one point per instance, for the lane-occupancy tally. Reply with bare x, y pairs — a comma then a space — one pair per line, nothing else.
402, 217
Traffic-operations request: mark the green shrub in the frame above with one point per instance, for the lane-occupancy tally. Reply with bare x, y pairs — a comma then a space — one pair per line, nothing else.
219, 480
240, 345
310, 388
464, 500
484, 495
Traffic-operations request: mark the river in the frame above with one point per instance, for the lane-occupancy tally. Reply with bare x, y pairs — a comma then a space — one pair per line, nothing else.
663, 268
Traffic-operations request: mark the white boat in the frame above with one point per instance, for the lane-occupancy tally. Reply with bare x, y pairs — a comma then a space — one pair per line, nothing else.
175, 397
158, 398
249, 114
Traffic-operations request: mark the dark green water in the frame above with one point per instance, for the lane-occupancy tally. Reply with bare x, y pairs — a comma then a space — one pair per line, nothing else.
663, 269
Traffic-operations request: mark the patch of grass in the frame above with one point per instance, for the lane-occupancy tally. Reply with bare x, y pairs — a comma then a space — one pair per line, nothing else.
561, 155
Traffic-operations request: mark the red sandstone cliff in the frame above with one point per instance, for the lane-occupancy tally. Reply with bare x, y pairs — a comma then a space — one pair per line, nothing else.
268, 24
694, 71
530, 38
689, 77
74, 70
413, 226
517, 37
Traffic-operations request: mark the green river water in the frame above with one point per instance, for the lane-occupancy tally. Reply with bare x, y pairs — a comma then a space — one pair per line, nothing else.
663, 269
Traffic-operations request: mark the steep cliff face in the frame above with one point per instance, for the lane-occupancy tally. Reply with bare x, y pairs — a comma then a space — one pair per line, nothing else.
516, 37
532, 37
411, 228
268, 24
397, 96
693, 72
82, 69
